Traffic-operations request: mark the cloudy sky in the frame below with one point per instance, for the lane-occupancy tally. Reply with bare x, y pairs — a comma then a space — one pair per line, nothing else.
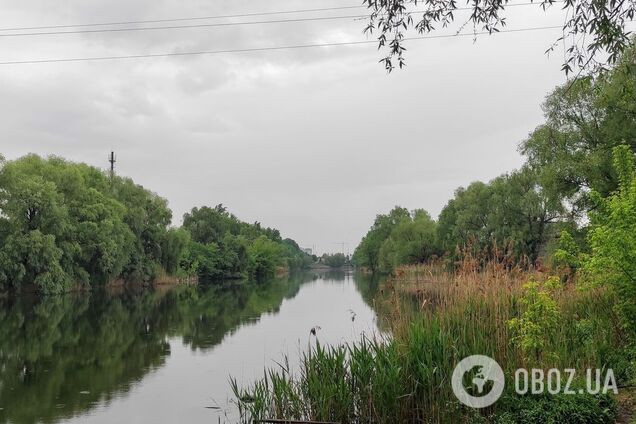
313, 141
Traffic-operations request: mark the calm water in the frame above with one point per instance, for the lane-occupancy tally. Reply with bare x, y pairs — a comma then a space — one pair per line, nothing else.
165, 356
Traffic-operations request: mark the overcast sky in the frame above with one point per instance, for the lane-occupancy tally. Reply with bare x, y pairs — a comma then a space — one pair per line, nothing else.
314, 142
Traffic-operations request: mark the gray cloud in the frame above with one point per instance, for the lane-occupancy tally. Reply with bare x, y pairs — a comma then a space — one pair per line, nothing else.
315, 142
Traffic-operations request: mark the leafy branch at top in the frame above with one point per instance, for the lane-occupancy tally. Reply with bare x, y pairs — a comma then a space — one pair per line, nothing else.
594, 31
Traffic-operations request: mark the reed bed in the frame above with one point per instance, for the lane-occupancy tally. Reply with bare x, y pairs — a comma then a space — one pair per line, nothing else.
438, 317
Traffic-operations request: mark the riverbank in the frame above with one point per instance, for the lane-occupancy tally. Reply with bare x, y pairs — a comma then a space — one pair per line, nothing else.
438, 318
317, 266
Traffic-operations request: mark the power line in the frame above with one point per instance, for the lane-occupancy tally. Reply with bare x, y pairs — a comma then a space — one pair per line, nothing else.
218, 24
271, 48
193, 18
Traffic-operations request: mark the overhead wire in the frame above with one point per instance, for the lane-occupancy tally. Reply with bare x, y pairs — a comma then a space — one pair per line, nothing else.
192, 18
215, 24
268, 48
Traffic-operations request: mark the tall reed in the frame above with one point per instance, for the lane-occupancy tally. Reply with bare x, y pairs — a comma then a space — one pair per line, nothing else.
437, 318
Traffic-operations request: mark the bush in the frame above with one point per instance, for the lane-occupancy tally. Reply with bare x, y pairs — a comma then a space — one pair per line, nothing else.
557, 409
567, 257
612, 239
539, 320
264, 255
32, 258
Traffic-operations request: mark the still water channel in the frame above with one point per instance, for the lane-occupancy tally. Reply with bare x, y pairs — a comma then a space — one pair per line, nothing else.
165, 355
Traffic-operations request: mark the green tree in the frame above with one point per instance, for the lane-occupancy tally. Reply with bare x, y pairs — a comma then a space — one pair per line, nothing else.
464, 219
173, 248
413, 240
204, 260
612, 238
510, 210
367, 253
209, 225
148, 217
521, 213
335, 260
297, 259
226, 247
585, 119
264, 256
567, 258
32, 257
86, 228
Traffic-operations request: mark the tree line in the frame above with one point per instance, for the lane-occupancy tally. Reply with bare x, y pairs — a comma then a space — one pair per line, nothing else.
64, 224
522, 215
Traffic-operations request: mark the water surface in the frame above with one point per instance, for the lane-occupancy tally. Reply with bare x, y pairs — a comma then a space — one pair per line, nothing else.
165, 356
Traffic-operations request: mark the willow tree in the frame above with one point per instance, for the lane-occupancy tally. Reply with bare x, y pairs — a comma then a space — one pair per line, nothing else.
594, 32
585, 120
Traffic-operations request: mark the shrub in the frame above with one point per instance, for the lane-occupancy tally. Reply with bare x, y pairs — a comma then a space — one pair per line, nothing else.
612, 239
558, 409
539, 320
567, 257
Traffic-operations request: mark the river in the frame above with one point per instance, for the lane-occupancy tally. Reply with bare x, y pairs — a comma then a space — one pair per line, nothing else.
166, 355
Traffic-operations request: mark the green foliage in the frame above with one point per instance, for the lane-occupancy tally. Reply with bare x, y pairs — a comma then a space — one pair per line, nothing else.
585, 119
592, 36
413, 240
297, 259
173, 249
559, 408
569, 158
32, 258
224, 247
511, 210
64, 223
400, 237
264, 256
612, 238
539, 320
335, 260
367, 254
209, 225
567, 257
464, 218
85, 221
147, 215
406, 377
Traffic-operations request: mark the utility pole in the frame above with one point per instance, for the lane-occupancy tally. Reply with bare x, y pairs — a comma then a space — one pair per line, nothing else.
112, 161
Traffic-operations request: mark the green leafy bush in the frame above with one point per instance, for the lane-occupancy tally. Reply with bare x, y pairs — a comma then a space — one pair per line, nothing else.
567, 257
539, 320
612, 238
557, 409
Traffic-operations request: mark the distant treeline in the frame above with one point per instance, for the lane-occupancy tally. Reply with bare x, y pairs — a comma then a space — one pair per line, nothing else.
334, 260
64, 224
520, 216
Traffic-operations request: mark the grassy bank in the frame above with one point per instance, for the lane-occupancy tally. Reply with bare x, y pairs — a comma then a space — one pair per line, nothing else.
438, 318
